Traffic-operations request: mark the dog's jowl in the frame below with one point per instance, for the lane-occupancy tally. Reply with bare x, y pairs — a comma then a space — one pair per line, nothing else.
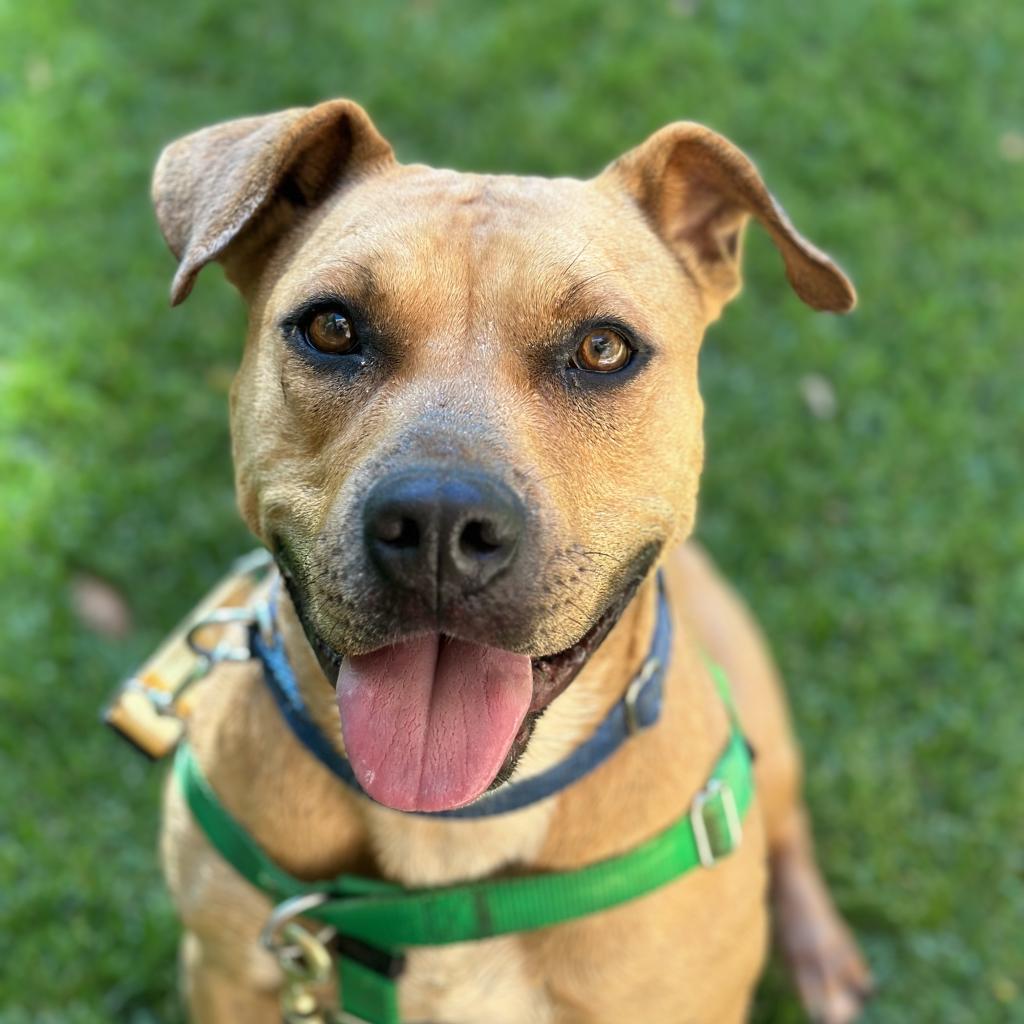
467, 425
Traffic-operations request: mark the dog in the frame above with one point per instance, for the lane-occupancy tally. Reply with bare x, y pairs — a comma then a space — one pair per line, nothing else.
467, 425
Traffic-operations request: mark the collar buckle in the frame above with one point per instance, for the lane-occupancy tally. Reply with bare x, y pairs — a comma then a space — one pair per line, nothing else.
715, 820
633, 691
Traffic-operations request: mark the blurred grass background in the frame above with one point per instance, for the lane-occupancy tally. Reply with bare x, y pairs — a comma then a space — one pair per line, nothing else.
864, 477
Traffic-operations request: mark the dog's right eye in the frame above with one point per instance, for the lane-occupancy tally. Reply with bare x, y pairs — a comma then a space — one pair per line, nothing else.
330, 331
602, 351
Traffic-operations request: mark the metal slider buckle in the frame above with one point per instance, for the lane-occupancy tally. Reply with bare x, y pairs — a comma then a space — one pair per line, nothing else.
712, 845
640, 680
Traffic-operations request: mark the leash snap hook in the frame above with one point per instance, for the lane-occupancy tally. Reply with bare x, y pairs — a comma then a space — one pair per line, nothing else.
283, 916
303, 958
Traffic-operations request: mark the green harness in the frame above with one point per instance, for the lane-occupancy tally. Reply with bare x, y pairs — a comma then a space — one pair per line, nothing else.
372, 922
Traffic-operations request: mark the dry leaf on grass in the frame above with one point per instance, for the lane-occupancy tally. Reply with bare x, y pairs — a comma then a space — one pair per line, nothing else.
99, 607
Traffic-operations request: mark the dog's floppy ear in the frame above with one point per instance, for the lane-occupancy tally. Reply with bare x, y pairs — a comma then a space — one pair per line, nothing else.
697, 191
211, 186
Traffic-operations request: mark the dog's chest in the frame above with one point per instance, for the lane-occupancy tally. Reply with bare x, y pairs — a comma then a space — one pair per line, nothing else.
468, 982
472, 983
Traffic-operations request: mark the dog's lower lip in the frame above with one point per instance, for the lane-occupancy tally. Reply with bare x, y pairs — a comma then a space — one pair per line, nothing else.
571, 660
327, 657
553, 674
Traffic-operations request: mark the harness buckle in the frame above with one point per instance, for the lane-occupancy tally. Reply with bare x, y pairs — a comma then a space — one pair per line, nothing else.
633, 691
715, 820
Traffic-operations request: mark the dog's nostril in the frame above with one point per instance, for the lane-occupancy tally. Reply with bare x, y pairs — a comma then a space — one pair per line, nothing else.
427, 531
398, 532
480, 538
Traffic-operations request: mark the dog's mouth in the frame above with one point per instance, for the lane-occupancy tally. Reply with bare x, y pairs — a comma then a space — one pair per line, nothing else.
431, 722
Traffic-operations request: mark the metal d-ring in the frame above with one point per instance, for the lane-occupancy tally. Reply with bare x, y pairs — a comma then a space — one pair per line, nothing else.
301, 953
220, 651
165, 702
285, 914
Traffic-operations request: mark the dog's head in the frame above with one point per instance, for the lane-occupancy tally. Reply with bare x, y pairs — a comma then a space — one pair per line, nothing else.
467, 420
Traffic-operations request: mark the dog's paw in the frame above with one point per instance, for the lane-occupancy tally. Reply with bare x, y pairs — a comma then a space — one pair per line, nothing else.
830, 974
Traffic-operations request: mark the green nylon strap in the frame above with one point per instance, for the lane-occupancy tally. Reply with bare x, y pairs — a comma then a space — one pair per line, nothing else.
721, 681
478, 910
243, 853
367, 995
387, 916
390, 917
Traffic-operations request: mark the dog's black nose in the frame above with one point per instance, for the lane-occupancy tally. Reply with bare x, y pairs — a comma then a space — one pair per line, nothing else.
442, 534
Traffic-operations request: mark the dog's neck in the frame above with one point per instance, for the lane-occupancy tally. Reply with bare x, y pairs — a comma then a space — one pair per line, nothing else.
422, 851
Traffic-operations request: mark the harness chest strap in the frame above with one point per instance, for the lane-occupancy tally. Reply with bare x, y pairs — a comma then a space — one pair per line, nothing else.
376, 920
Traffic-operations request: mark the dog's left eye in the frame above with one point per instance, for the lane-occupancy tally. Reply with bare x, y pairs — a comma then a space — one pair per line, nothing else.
602, 351
332, 332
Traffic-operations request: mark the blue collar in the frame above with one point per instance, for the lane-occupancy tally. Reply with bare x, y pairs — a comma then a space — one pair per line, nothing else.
638, 709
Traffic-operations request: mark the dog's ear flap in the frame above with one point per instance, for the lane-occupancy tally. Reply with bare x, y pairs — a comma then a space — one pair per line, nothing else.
697, 190
215, 184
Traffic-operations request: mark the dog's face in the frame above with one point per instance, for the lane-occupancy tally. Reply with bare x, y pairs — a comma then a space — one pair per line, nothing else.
467, 420
496, 336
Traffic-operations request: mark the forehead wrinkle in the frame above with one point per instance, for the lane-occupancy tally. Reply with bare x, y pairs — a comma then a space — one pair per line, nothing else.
581, 291
451, 256
537, 313
343, 276
595, 286
419, 280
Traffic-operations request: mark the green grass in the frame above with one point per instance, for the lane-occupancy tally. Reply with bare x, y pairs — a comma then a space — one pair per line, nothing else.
882, 548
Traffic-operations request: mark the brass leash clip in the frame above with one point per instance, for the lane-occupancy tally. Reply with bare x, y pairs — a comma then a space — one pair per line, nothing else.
304, 959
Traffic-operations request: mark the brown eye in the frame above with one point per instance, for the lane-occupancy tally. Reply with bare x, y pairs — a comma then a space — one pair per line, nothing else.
602, 351
331, 332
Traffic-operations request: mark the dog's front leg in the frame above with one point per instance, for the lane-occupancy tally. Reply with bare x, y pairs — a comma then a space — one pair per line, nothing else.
214, 994
830, 973
227, 975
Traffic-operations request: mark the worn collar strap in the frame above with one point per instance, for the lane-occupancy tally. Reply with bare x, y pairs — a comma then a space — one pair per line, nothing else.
638, 709
375, 921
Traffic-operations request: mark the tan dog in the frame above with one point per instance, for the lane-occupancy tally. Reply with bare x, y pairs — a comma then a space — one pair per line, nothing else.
467, 423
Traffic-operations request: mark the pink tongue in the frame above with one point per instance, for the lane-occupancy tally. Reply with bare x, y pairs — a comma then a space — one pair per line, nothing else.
429, 721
